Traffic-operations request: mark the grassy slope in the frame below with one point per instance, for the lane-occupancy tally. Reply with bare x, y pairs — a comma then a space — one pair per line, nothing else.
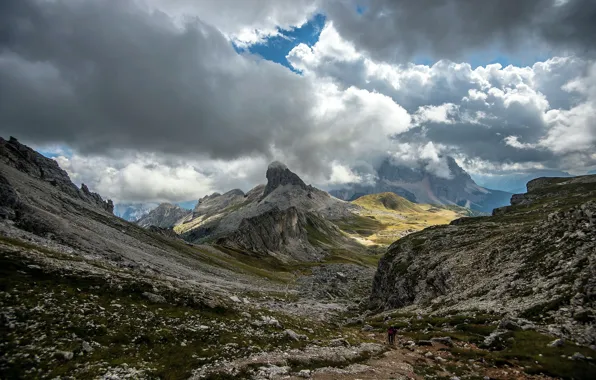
48, 311
388, 216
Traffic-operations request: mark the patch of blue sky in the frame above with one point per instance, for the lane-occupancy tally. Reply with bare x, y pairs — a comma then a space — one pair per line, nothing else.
188, 205
53, 151
276, 48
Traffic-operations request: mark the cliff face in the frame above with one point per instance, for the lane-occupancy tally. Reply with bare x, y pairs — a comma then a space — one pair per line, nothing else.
536, 258
275, 232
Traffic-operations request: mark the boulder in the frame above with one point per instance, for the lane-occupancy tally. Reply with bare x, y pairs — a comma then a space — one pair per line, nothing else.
156, 298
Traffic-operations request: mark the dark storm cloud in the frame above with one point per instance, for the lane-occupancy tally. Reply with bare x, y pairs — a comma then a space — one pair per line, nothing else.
451, 28
106, 74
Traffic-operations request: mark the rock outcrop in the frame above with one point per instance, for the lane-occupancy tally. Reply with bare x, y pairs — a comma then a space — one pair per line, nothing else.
278, 174
275, 232
216, 203
536, 259
22, 158
421, 186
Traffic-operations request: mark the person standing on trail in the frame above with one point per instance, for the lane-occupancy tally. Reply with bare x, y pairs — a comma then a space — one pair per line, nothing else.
391, 335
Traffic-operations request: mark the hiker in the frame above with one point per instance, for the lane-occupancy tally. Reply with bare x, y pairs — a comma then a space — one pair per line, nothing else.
391, 335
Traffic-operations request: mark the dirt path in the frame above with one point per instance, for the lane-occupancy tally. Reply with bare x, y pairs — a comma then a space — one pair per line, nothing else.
420, 362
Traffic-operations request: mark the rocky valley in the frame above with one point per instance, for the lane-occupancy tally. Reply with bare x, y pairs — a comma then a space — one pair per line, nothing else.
288, 281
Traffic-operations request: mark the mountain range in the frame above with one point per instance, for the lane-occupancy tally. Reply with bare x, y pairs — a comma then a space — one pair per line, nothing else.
286, 280
421, 186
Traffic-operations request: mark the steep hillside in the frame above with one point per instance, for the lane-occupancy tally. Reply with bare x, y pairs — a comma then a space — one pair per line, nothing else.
85, 294
535, 259
420, 186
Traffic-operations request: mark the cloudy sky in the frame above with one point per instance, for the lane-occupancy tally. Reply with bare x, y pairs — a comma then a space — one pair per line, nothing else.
169, 100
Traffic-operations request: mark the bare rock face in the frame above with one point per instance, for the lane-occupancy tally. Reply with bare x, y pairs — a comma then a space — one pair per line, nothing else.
276, 231
536, 259
278, 174
9, 199
216, 203
26, 160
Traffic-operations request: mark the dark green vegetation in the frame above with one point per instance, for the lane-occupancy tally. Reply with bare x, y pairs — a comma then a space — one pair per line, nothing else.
528, 350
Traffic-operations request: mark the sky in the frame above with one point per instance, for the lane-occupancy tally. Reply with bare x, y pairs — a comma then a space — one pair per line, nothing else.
170, 100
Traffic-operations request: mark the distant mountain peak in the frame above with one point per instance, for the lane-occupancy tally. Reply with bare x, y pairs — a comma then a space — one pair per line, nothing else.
277, 165
422, 184
278, 175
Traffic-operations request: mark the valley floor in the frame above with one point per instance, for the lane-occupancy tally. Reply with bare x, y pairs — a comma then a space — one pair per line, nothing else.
85, 319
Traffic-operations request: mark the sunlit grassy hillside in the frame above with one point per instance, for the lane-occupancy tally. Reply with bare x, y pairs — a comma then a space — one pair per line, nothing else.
386, 217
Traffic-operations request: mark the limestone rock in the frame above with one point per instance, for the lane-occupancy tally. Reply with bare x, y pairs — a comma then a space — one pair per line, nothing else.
291, 334
278, 174
156, 298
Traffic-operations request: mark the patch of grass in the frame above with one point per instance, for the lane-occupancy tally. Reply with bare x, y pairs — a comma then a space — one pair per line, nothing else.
530, 350
360, 225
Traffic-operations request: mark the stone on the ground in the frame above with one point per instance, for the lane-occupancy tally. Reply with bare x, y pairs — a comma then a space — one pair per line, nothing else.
86, 347
305, 373
557, 343
578, 356
339, 342
156, 298
509, 324
64, 355
294, 335
367, 328
443, 340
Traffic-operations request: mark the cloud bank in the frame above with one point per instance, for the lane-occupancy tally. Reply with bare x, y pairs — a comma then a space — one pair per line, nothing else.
157, 105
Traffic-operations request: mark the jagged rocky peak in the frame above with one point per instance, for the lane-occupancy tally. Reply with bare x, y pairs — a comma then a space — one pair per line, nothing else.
97, 199
208, 197
217, 202
166, 215
278, 174
21, 157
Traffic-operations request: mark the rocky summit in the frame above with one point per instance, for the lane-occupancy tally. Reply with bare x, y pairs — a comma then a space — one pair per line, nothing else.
287, 282
422, 186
